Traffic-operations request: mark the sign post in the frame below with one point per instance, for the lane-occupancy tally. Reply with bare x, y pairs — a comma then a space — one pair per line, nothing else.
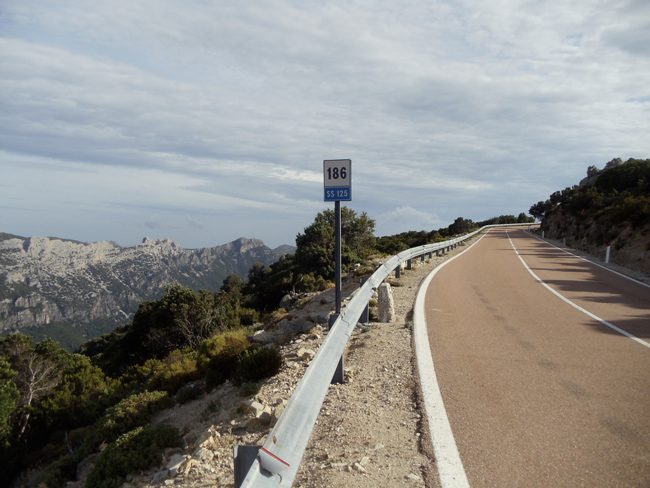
337, 178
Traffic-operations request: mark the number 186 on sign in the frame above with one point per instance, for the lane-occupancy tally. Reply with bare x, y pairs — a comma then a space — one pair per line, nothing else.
337, 177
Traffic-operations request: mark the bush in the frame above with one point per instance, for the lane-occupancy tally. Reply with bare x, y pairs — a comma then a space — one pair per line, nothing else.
248, 316
259, 363
132, 452
133, 411
227, 344
168, 374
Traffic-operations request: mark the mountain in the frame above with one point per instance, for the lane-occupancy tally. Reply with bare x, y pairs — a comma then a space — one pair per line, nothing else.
48, 284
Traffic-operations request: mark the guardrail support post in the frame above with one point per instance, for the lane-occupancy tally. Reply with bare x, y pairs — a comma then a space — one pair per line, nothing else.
398, 272
608, 254
339, 373
422, 258
244, 457
564, 242
365, 315
409, 264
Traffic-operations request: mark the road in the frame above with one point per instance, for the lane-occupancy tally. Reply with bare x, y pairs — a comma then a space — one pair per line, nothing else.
537, 393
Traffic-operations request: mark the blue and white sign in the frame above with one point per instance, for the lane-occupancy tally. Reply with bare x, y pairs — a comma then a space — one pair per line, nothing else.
337, 176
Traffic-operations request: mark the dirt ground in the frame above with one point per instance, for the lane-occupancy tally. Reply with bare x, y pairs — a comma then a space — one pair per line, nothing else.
371, 432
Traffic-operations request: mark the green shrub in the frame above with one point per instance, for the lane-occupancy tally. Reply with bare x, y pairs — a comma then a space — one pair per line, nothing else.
168, 374
229, 343
132, 412
132, 452
248, 316
259, 363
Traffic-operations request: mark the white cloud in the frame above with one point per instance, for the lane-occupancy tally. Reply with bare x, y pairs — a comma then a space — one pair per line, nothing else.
466, 107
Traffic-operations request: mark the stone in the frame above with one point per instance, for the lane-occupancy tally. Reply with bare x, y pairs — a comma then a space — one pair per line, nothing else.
385, 303
160, 476
203, 454
305, 354
174, 464
358, 468
266, 417
412, 477
364, 461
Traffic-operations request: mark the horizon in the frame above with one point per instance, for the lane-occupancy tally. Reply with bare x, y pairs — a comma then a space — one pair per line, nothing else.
206, 122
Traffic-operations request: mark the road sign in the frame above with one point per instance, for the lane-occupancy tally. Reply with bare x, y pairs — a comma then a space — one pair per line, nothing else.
337, 178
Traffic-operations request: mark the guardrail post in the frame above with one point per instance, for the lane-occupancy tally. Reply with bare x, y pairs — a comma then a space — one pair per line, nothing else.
398, 271
542, 234
365, 315
564, 242
409, 264
338, 376
608, 254
244, 457
422, 258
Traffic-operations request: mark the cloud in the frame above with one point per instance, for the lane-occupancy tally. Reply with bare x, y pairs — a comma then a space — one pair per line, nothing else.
215, 110
406, 218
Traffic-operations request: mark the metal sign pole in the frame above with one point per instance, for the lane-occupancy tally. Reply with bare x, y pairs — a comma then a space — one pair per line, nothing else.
337, 254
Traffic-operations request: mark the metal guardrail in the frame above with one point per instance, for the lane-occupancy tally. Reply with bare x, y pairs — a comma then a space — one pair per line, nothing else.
278, 460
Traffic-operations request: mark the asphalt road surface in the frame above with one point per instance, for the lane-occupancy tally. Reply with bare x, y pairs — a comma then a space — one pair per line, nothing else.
538, 393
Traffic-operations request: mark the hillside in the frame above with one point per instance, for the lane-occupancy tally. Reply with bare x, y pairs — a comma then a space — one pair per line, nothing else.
610, 207
52, 284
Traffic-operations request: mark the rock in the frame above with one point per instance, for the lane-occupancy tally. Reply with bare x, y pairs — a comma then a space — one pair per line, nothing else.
85, 467
203, 454
364, 461
266, 417
160, 476
358, 468
204, 440
412, 477
252, 406
174, 464
385, 303
305, 354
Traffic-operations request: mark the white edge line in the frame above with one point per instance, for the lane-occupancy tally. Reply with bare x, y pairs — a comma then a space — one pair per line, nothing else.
448, 462
590, 261
575, 305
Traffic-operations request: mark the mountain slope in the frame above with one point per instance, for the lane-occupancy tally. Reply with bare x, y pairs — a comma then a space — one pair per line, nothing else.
610, 207
50, 281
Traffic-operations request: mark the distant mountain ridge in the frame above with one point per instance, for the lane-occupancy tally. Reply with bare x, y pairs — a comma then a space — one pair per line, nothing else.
49, 280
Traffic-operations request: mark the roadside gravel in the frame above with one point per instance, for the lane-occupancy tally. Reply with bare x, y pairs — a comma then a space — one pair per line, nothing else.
371, 431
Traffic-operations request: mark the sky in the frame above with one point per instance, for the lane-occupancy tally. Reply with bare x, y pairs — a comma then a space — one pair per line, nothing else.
206, 120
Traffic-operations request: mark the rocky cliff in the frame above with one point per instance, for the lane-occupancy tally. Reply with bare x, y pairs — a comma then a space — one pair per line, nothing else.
46, 281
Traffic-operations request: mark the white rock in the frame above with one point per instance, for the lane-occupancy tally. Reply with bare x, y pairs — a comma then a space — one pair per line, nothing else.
412, 477
203, 454
305, 354
358, 468
385, 303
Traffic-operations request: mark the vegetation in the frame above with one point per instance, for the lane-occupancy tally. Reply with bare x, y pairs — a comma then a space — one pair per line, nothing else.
603, 206
58, 407
132, 452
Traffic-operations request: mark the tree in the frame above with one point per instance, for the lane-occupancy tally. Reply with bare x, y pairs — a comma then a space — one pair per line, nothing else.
461, 226
9, 396
315, 247
37, 373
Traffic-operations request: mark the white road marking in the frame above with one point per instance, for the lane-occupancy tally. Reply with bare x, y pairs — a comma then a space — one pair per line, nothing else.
575, 305
592, 262
450, 466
